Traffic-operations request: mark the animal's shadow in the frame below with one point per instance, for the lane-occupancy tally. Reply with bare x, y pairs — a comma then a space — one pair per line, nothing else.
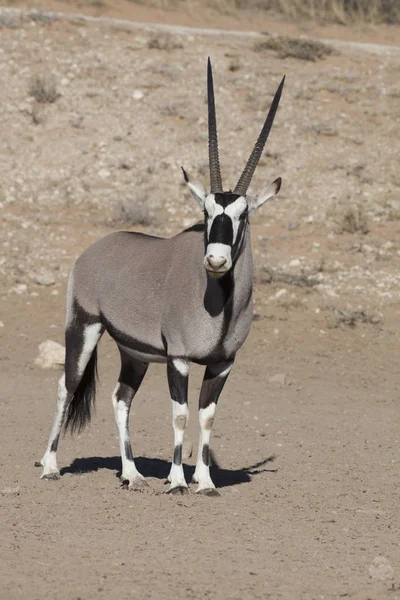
159, 468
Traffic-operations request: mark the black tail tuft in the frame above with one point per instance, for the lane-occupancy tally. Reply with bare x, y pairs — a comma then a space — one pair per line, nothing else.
80, 408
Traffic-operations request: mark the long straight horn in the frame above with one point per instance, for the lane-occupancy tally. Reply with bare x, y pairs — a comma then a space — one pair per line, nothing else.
213, 156
245, 178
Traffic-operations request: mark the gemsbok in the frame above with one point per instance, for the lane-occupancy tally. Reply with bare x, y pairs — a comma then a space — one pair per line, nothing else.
178, 300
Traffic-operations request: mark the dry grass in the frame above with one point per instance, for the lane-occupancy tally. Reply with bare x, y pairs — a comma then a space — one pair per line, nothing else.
349, 218
294, 47
351, 317
339, 11
43, 88
132, 211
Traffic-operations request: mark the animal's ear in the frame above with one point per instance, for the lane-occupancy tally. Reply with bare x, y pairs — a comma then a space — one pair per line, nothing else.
197, 189
271, 190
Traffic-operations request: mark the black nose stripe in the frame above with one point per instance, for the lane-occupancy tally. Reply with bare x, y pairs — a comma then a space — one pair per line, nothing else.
221, 230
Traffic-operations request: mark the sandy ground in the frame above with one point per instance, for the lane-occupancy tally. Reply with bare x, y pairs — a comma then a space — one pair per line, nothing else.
307, 466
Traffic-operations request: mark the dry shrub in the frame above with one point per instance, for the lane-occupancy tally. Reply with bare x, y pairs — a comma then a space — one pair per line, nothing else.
351, 317
339, 11
349, 219
295, 48
132, 211
43, 88
163, 42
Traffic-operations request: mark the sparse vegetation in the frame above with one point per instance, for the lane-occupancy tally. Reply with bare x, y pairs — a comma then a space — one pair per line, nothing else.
339, 11
133, 211
351, 317
349, 219
163, 42
44, 89
294, 47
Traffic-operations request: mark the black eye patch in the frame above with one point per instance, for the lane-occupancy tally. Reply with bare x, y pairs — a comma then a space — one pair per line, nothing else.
221, 230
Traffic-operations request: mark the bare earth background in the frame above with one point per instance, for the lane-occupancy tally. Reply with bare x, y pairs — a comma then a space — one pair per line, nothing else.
307, 437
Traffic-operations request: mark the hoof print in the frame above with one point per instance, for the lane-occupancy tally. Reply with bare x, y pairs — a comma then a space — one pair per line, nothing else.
179, 489
208, 492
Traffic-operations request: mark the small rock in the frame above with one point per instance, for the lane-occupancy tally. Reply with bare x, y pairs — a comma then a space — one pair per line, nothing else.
76, 122
381, 569
104, 173
51, 355
295, 263
292, 225
187, 448
138, 95
25, 107
19, 289
44, 278
279, 378
126, 164
9, 491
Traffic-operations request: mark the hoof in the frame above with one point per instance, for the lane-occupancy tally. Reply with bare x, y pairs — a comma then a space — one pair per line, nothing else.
208, 492
51, 476
179, 489
37, 463
136, 484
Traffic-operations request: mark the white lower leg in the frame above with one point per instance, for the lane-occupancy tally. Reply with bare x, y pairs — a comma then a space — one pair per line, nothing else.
180, 419
49, 460
202, 472
121, 411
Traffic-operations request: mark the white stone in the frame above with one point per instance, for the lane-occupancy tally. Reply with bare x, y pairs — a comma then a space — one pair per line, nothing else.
280, 378
138, 95
381, 569
51, 355
44, 278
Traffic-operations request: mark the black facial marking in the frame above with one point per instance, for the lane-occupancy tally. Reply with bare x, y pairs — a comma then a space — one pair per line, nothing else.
221, 230
206, 455
225, 198
178, 455
128, 450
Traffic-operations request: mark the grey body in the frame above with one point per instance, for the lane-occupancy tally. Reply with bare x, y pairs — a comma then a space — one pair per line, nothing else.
155, 298
178, 300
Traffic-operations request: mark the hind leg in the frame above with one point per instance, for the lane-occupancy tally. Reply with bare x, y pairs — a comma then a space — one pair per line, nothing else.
49, 460
81, 337
130, 378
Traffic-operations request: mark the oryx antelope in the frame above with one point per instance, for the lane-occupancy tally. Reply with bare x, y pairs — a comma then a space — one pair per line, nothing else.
178, 300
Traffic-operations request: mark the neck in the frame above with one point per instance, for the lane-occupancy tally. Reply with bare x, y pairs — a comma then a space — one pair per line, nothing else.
234, 290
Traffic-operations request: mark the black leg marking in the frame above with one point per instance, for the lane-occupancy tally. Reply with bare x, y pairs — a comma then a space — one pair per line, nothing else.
128, 450
178, 455
206, 454
54, 444
213, 383
178, 383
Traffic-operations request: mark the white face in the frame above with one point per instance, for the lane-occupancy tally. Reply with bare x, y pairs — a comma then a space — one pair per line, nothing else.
226, 215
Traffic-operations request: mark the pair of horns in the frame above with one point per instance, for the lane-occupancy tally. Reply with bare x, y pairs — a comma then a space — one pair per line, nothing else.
215, 171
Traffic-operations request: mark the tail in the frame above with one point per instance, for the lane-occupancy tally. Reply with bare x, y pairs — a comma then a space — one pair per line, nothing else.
79, 411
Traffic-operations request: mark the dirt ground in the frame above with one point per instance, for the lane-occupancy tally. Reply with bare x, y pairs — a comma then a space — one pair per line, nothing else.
307, 435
